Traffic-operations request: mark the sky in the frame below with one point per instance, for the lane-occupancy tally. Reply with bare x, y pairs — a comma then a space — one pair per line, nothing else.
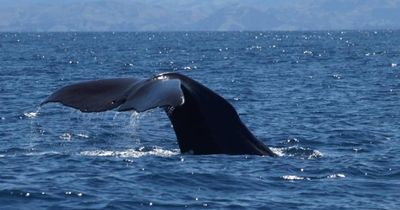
198, 15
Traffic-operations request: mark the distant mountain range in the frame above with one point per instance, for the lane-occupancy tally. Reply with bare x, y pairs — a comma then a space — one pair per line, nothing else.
199, 15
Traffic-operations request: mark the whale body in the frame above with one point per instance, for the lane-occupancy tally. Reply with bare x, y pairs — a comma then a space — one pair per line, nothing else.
203, 121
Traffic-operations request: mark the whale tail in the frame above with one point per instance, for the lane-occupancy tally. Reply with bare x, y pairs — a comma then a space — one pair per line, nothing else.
204, 122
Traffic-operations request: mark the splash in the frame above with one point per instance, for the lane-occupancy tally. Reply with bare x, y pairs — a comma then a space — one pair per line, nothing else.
135, 119
131, 153
278, 151
32, 115
296, 151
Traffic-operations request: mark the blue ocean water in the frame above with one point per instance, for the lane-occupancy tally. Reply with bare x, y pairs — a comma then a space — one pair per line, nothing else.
326, 102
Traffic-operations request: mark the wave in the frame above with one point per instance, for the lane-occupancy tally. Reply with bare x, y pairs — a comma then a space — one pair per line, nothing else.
26, 152
296, 178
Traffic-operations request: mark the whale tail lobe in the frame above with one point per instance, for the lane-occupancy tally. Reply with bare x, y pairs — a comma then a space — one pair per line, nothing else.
124, 93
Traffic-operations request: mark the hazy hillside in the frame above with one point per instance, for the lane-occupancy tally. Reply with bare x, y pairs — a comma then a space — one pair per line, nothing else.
154, 15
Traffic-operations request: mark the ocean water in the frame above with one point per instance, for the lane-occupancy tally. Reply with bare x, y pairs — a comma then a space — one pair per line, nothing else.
327, 102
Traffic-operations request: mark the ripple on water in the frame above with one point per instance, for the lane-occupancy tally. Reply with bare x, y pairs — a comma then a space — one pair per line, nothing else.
281, 88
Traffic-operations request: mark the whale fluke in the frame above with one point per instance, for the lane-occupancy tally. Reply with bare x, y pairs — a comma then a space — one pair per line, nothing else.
204, 122
127, 94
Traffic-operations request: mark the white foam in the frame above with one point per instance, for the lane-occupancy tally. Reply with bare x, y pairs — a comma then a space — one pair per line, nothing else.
285, 151
315, 154
293, 177
308, 52
278, 151
130, 153
66, 136
333, 176
83, 135
31, 114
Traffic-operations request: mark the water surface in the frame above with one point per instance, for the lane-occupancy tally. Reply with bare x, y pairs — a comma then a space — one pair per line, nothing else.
326, 102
